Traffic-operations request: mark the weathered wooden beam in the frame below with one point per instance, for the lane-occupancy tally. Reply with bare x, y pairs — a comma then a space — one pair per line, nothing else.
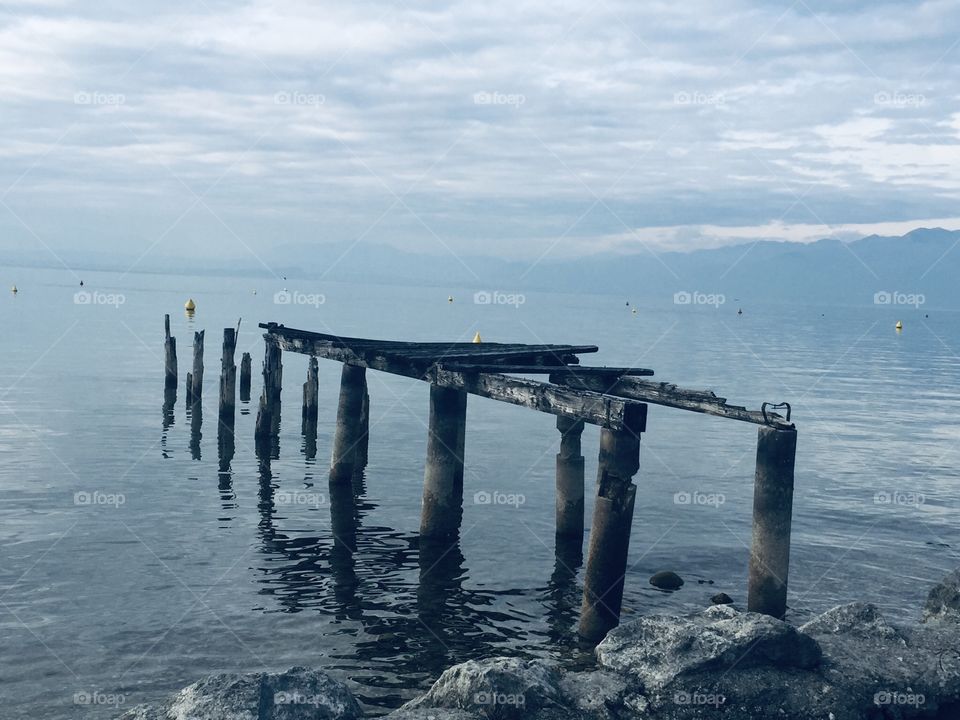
196, 387
591, 407
246, 365
442, 507
608, 372
669, 395
347, 436
170, 356
570, 479
228, 376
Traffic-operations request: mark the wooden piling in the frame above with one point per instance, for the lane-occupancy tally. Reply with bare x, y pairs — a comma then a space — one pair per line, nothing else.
311, 392
364, 445
346, 437
246, 364
228, 377
570, 479
189, 389
610, 530
196, 387
772, 516
169, 357
443, 476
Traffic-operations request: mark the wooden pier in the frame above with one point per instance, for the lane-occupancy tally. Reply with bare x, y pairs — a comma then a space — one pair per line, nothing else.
614, 399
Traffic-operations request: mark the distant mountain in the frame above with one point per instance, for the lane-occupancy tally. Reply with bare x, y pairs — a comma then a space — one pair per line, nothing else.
923, 262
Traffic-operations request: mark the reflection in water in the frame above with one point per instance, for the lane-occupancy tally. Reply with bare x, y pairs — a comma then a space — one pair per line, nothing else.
169, 401
226, 447
564, 595
195, 416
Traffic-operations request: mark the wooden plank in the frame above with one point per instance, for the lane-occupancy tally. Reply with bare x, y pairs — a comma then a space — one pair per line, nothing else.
669, 395
589, 406
611, 372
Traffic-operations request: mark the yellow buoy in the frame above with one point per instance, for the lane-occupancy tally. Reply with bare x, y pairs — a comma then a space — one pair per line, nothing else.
14, 290
634, 311
476, 338
190, 305
899, 325
450, 298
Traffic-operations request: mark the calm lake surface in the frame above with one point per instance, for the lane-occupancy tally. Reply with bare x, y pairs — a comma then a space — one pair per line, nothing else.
179, 567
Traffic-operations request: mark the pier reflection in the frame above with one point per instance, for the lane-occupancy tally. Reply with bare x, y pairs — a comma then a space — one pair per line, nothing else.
195, 416
167, 412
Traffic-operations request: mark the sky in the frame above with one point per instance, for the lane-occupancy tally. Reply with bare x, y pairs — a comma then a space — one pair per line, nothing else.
510, 129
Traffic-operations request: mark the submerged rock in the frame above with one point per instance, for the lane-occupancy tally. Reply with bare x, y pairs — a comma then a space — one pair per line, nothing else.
721, 599
657, 650
943, 602
666, 580
297, 694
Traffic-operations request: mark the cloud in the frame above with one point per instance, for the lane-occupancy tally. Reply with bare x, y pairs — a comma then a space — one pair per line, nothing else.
500, 128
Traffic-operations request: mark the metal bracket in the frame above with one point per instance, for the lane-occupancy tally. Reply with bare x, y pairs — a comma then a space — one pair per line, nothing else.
774, 406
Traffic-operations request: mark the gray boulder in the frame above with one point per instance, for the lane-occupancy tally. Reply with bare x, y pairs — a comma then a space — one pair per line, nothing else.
659, 649
431, 714
943, 602
496, 688
297, 694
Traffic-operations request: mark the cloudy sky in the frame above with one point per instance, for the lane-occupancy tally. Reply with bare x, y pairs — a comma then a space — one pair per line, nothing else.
514, 129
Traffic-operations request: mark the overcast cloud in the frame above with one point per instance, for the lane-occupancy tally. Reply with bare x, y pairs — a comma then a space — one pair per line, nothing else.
484, 128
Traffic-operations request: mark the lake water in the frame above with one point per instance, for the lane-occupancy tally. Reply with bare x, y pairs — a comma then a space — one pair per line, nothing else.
202, 568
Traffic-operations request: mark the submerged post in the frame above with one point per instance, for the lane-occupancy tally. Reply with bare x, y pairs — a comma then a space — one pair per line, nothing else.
196, 389
311, 391
569, 478
169, 357
772, 516
228, 376
610, 531
346, 439
443, 477
245, 366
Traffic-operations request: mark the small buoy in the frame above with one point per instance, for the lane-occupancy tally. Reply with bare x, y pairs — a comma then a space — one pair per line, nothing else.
190, 305
450, 298
14, 290
634, 311
739, 311
476, 338
899, 325
81, 283
628, 303
254, 292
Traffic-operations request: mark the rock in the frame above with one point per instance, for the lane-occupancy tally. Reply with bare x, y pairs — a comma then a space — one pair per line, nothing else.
943, 602
495, 688
721, 599
297, 694
666, 580
658, 649
860, 619
597, 694
431, 714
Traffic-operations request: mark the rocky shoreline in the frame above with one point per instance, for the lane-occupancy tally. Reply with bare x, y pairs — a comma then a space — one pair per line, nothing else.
847, 664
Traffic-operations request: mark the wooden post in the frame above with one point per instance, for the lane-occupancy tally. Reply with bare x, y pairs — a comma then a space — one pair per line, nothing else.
364, 445
772, 515
228, 377
311, 391
443, 477
346, 438
196, 388
570, 479
268, 415
245, 369
170, 357
610, 531
189, 389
